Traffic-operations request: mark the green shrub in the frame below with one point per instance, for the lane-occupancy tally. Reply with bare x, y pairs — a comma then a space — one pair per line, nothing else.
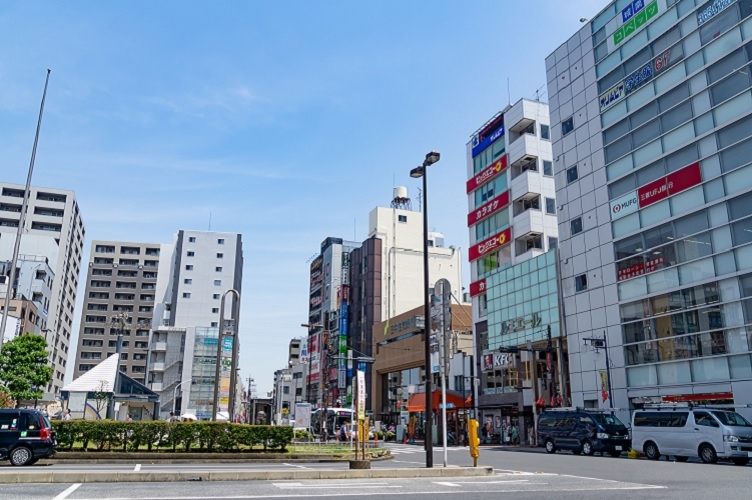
203, 436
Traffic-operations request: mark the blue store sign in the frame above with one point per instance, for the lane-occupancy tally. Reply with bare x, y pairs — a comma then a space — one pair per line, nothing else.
478, 149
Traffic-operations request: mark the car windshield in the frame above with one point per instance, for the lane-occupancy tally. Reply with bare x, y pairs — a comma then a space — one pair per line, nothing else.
731, 418
608, 421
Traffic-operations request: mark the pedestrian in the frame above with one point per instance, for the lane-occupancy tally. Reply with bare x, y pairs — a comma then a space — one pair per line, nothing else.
66, 415
531, 435
172, 417
515, 435
129, 419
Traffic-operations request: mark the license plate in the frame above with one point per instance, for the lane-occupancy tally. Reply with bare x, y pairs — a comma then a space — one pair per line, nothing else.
617, 448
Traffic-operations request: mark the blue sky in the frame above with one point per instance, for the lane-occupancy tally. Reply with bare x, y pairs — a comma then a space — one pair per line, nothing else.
284, 121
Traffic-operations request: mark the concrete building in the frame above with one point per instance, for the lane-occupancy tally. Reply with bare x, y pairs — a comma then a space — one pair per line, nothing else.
289, 385
200, 267
651, 106
53, 231
33, 292
122, 278
512, 221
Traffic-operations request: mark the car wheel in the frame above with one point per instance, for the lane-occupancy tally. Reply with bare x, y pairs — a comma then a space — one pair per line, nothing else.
20, 456
550, 448
681, 459
587, 448
651, 451
707, 454
615, 453
32, 461
740, 461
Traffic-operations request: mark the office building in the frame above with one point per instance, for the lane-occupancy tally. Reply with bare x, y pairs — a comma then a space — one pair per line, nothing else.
651, 107
53, 232
513, 238
122, 279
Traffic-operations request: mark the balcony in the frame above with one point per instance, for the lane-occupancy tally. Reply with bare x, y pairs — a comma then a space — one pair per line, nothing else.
523, 150
157, 386
529, 221
527, 182
158, 367
159, 346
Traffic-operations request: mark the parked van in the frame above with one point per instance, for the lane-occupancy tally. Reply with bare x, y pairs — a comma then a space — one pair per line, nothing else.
683, 431
582, 430
25, 436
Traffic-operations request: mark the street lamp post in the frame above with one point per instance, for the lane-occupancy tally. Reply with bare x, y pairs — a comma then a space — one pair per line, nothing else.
174, 395
227, 328
417, 172
602, 343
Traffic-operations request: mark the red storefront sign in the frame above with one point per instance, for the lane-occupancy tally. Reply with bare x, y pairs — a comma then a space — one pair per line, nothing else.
489, 245
487, 174
640, 269
488, 209
477, 287
672, 184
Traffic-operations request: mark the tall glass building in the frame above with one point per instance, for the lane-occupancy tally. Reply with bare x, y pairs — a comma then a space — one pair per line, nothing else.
651, 121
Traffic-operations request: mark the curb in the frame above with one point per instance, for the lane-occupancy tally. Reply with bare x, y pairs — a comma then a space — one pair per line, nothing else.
147, 477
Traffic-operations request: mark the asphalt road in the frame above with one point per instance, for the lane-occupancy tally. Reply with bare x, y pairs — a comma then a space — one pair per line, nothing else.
529, 475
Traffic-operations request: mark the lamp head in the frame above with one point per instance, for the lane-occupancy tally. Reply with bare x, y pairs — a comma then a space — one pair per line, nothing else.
417, 172
432, 158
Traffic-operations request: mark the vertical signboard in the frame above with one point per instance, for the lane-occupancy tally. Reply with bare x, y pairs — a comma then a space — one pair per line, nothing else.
303, 415
361, 376
225, 372
440, 320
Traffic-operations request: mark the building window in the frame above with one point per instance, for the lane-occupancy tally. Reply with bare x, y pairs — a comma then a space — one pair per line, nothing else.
215, 310
402, 218
220, 255
214, 324
572, 174
191, 239
189, 267
186, 295
191, 253
545, 132
552, 242
580, 282
576, 225
187, 281
550, 206
567, 126
215, 296
221, 241
548, 168
217, 282
218, 269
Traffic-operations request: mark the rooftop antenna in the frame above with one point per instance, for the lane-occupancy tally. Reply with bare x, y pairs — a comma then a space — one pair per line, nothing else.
509, 94
538, 92
355, 237
209, 221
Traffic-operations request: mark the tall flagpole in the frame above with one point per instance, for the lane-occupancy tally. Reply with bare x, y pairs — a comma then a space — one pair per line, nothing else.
21, 222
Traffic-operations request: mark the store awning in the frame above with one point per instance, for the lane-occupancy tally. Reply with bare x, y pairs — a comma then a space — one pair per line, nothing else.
417, 402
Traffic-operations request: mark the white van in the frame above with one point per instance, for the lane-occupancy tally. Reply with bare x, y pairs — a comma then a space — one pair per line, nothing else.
682, 431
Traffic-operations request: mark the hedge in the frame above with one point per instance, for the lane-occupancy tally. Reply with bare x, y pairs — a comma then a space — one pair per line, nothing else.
112, 435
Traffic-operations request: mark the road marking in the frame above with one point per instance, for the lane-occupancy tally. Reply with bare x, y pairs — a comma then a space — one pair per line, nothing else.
348, 485
67, 492
298, 466
511, 481
137, 468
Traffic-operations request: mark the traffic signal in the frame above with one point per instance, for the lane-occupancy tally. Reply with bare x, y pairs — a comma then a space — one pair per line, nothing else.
473, 440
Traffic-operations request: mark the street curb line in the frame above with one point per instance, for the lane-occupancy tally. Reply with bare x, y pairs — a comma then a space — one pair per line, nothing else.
22, 477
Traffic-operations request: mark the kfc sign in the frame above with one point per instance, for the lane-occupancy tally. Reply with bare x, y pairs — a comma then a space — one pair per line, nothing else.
496, 360
477, 287
487, 174
491, 244
490, 208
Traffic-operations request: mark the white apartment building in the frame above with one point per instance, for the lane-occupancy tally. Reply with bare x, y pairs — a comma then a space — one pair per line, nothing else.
53, 231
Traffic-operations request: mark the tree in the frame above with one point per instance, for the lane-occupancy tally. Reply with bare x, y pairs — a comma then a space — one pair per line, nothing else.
24, 367
102, 396
6, 401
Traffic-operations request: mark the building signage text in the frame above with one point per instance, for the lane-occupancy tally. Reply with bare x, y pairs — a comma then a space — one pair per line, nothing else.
611, 96
478, 149
488, 209
477, 287
710, 9
634, 17
640, 269
625, 205
519, 324
634, 81
487, 174
491, 244
655, 191
496, 360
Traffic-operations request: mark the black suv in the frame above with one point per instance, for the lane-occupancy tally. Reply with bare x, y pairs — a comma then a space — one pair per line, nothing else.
25, 436
583, 431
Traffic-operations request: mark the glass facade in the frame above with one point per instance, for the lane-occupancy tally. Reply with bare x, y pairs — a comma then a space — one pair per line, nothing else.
203, 374
676, 96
